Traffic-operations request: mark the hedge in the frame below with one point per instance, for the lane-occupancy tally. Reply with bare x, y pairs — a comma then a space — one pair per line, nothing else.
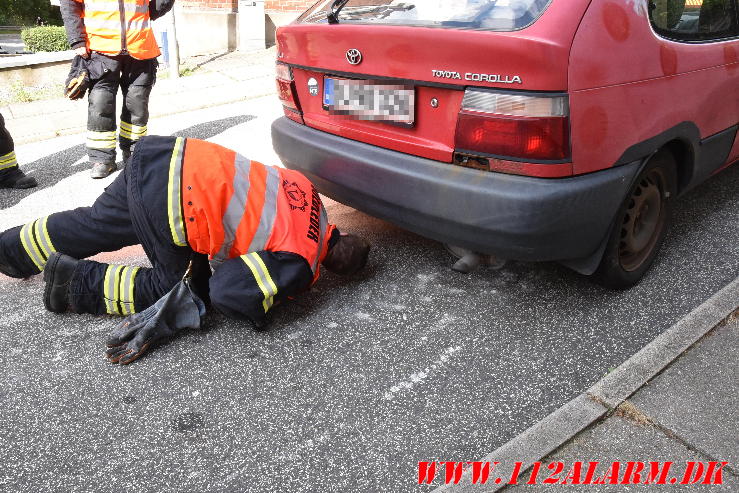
45, 38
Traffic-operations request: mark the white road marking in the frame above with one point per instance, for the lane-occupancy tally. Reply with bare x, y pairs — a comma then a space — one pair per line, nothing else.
418, 377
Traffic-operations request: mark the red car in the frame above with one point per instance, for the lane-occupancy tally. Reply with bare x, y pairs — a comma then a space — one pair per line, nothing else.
538, 130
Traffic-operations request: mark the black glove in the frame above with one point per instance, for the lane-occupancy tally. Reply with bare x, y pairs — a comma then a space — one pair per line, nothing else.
78, 80
180, 308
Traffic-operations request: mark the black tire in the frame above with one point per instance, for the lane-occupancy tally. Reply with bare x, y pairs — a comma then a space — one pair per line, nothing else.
640, 225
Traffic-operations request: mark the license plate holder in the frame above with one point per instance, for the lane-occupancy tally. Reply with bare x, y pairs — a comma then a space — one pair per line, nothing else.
370, 100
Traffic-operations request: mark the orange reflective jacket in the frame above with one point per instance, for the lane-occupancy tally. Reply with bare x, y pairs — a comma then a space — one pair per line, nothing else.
115, 26
224, 205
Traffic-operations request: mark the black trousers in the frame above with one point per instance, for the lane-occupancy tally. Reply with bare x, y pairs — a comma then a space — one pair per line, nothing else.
135, 79
7, 151
132, 210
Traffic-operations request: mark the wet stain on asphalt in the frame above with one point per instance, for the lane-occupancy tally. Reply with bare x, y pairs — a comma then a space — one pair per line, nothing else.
189, 421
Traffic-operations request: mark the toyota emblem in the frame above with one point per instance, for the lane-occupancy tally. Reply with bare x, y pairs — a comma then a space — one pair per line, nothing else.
354, 56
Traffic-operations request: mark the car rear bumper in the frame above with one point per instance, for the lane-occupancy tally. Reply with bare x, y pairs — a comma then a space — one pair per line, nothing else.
511, 216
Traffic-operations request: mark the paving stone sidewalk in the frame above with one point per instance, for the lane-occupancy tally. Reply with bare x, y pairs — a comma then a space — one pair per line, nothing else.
689, 412
217, 79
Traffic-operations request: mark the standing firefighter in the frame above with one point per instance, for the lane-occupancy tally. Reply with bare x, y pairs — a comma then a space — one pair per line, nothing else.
117, 36
263, 228
10, 174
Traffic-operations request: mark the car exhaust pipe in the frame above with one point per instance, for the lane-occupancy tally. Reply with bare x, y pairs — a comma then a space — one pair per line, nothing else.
468, 260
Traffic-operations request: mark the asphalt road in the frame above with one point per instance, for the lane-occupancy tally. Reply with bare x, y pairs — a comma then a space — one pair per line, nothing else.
354, 383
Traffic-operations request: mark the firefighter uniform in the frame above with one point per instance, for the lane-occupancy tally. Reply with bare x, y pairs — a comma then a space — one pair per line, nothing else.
119, 37
263, 228
11, 175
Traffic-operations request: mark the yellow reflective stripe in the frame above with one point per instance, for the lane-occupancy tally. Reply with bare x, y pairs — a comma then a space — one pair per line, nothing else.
131, 131
101, 140
134, 271
110, 289
95, 145
29, 245
135, 129
270, 282
8, 160
42, 237
257, 278
126, 295
264, 280
118, 289
174, 203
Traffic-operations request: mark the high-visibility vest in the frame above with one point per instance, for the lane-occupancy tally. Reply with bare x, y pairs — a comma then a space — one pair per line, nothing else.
225, 205
115, 26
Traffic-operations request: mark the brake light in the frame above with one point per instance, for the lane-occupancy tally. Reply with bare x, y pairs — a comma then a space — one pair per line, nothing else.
514, 126
287, 93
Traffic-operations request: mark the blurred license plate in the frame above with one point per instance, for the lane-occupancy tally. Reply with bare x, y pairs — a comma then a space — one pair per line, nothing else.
365, 100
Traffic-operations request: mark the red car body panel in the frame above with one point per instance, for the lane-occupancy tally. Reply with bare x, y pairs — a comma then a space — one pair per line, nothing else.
630, 95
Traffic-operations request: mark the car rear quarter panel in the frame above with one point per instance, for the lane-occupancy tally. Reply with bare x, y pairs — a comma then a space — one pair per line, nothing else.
628, 85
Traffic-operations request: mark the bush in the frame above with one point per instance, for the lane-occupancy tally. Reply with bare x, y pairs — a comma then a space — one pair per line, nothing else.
45, 38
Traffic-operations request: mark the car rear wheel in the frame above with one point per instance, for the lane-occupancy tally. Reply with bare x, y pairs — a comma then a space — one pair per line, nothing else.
640, 226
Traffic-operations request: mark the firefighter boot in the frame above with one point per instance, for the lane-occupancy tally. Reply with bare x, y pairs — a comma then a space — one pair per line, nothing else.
57, 275
18, 179
101, 170
6, 265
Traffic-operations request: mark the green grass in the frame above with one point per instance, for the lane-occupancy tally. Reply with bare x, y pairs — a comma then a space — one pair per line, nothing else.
17, 92
185, 71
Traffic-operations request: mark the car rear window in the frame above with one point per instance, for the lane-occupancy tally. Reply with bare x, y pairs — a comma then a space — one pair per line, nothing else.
695, 20
494, 15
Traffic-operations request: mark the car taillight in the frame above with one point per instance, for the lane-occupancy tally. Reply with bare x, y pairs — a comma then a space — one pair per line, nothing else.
287, 93
514, 126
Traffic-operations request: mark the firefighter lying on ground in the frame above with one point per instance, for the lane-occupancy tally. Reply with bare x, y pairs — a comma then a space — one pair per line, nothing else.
261, 230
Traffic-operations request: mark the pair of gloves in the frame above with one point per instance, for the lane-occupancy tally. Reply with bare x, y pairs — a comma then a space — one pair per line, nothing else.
78, 80
179, 309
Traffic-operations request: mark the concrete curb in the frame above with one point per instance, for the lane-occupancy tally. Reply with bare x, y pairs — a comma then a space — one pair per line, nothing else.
36, 59
559, 427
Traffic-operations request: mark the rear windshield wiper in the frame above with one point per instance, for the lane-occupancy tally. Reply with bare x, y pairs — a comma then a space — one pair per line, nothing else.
333, 17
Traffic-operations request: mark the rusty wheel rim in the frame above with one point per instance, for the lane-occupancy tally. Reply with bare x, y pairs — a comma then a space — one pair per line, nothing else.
643, 221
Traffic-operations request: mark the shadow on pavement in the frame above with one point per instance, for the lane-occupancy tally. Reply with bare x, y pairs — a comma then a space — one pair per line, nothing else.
51, 169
